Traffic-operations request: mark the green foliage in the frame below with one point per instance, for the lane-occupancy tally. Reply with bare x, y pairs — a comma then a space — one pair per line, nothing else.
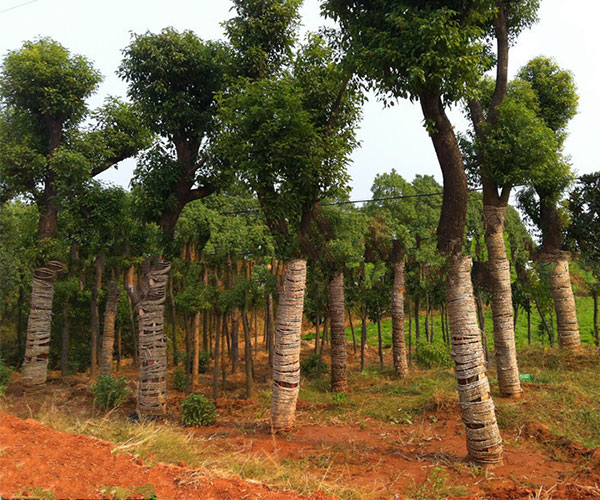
339, 398
197, 410
5, 373
203, 361
109, 392
433, 356
309, 367
178, 379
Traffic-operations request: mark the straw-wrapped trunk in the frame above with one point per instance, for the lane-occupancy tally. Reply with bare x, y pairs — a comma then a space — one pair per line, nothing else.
502, 308
398, 336
339, 379
286, 358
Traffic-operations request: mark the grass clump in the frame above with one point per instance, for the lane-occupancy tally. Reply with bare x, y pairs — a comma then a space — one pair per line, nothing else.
197, 410
433, 356
435, 487
109, 392
178, 379
309, 367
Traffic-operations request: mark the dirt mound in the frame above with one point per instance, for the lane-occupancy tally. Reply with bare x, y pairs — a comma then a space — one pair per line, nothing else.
37, 460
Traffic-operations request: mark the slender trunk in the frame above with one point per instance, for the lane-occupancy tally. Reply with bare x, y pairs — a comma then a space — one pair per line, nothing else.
205, 339
317, 333
417, 325
339, 379
505, 350
95, 316
484, 443
64, 351
564, 302
544, 322
248, 354
596, 337
379, 338
195, 346
152, 387
286, 360
235, 340
108, 337
431, 324
516, 313
223, 368
398, 335
255, 316
119, 346
529, 326
324, 335
363, 336
481, 320
352, 330
37, 347
189, 354
409, 335
427, 333
173, 322
215, 381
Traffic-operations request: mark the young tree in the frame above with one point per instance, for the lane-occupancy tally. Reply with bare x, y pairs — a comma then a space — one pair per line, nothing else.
289, 137
44, 154
173, 78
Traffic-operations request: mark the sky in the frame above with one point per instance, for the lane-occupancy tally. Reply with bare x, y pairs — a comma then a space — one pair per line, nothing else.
390, 138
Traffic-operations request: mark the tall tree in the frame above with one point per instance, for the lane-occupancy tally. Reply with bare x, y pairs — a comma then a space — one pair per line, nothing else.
173, 78
557, 100
45, 152
436, 52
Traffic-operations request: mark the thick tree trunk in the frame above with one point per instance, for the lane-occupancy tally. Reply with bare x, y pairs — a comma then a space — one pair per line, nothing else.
108, 338
339, 379
152, 387
398, 335
173, 322
64, 350
484, 443
37, 347
286, 360
505, 350
564, 300
271, 327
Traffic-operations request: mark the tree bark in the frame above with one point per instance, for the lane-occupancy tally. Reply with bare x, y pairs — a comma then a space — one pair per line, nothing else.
379, 338
339, 379
173, 322
215, 381
195, 345
37, 347
235, 340
271, 327
152, 387
398, 335
248, 355
484, 443
352, 330
564, 301
363, 335
505, 351
286, 359
108, 338
95, 316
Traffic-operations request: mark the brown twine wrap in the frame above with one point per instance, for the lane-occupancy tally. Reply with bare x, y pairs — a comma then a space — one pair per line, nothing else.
286, 358
37, 347
564, 301
152, 388
484, 443
505, 351
398, 336
337, 315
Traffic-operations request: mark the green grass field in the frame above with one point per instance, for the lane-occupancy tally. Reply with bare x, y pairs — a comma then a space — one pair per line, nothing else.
585, 316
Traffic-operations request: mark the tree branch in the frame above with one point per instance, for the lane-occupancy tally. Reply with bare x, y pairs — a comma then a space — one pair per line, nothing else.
501, 25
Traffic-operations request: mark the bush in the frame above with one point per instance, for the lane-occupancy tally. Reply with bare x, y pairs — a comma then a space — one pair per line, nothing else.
179, 379
433, 356
109, 392
198, 410
310, 366
203, 362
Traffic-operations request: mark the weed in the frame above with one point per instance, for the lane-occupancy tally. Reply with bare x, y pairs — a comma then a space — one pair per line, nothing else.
198, 410
109, 392
179, 379
435, 487
309, 366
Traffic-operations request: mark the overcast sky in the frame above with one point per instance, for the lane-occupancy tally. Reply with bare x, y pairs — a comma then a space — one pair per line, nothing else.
391, 138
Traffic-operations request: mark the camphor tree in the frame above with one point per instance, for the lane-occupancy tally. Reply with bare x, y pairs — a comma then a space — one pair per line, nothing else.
173, 78
557, 99
45, 153
289, 137
436, 53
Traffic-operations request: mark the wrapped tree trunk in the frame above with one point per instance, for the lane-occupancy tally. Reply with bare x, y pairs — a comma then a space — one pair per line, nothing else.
564, 300
505, 350
152, 388
339, 379
108, 338
398, 336
37, 347
286, 358
484, 443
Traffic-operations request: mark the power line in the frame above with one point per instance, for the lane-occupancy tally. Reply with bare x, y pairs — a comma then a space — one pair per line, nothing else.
17, 6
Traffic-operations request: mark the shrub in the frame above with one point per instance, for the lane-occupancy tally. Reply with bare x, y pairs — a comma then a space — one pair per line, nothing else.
179, 379
433, 356
309, 367
198, 410
203, 362
109, 392
5, 373
339, 398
